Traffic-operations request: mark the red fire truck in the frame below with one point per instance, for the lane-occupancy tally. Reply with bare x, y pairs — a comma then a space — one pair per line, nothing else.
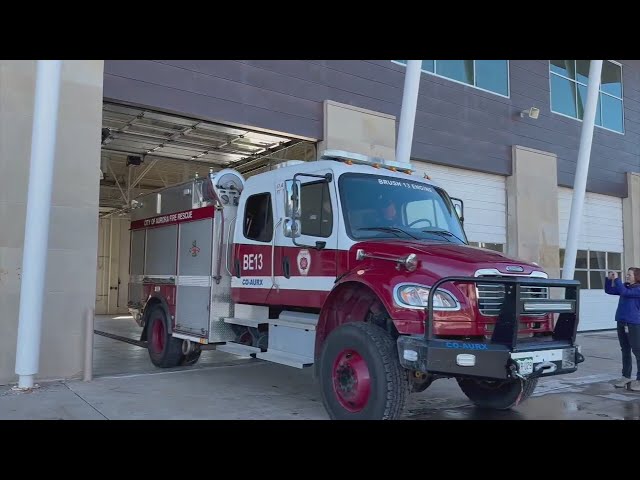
355, 266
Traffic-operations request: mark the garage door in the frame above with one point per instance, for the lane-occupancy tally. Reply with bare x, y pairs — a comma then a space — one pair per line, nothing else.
484, 197
600, 247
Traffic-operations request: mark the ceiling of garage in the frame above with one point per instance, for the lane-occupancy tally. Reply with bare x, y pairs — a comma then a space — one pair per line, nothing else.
144, 150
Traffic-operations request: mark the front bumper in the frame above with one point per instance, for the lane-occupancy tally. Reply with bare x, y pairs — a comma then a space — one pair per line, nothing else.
486, 360
504, 355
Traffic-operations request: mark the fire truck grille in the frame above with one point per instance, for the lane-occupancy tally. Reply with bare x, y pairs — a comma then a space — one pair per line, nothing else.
491, 297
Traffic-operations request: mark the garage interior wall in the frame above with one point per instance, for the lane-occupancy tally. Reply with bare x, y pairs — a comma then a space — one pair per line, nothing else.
601, 243
73, 235
112, 281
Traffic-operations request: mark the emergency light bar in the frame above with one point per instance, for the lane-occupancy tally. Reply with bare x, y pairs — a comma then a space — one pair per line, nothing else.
357, 158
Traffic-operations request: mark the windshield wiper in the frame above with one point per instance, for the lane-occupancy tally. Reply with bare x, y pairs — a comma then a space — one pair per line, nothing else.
445, 233
389, 229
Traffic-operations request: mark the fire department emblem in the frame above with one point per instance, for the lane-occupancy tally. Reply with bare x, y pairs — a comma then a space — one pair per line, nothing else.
194, 250
304, 262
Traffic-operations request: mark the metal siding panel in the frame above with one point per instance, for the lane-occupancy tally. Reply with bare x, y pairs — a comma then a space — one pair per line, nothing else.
137, 252
195, 235
161, 250
192, 311
456, 125
213, 86
181, 102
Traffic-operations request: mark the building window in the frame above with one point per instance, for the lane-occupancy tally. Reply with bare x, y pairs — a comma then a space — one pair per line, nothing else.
489, 75
592, 267
258, 218
497, 247
569, 78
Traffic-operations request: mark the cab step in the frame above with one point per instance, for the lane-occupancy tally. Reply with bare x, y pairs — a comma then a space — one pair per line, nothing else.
285, 358
238, 349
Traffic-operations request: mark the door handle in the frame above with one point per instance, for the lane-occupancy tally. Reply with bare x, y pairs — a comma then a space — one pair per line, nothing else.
285, 267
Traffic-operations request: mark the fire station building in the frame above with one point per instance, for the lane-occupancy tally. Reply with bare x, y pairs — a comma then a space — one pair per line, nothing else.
502, 135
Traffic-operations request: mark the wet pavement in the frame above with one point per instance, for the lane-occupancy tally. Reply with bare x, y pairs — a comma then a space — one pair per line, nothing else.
591, 401
221, 386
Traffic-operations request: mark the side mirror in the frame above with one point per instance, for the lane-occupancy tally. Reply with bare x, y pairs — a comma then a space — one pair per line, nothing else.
458, 204
292, 209
292, 228
292, 201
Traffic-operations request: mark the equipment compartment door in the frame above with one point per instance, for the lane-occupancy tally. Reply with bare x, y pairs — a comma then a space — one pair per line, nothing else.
194, 277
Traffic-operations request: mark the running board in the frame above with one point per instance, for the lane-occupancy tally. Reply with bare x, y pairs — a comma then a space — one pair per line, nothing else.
285, 358
238, 349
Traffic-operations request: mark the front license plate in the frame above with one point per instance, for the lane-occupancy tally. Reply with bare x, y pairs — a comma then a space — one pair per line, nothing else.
525, 365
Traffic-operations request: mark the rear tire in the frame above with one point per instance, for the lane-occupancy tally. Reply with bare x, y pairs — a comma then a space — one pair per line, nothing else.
497, 395
360, 374
164, 350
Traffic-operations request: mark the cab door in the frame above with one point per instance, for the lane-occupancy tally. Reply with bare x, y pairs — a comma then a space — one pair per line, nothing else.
252, 278
305, 267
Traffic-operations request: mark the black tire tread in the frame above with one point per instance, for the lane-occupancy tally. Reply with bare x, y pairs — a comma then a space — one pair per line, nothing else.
397, 381
173, 347
507, 402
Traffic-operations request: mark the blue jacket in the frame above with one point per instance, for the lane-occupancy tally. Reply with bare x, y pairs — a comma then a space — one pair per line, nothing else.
629, 303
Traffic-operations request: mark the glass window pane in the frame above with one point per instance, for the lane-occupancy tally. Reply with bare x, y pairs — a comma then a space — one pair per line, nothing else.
564, 67
611, 79
611, 113
563, 96
582, 70
258, 218
582, 101
582, 276
597, 280
492, 75
461, 70
317, 215
427, 65
561, 257
581, 259
404, 62
614, 261
597, 260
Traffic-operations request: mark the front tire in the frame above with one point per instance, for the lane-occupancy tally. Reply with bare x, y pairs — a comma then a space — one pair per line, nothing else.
497, 395
164, 350
360, 374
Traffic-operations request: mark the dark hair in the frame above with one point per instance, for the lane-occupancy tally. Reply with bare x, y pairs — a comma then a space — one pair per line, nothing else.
636, 274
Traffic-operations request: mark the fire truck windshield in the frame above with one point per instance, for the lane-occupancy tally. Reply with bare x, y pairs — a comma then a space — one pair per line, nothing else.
378, 206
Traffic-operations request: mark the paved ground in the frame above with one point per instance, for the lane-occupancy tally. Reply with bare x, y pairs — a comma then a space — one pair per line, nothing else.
222, 386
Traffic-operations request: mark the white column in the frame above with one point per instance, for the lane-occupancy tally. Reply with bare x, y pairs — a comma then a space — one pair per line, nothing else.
582, 169
36, 235
408, 111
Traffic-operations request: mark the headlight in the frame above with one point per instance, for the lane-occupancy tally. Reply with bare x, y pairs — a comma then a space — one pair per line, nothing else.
417, 296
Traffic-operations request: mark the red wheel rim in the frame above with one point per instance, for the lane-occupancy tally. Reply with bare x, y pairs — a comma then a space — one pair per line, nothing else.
351, 380
157, 335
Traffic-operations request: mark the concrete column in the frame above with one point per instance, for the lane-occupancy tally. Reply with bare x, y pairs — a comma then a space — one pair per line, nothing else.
73, 238
532, 209
358, 130
631, 221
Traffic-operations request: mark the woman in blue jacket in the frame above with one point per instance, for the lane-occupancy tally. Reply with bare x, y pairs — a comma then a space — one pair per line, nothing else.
628, 319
